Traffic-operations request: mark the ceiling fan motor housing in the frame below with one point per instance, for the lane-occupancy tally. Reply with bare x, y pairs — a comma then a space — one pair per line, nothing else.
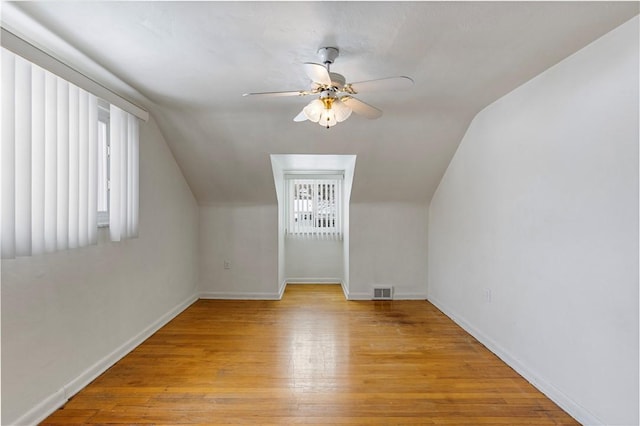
337, 80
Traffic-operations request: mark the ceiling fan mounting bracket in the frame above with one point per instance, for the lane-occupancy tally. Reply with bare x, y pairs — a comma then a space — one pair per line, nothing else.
328, 54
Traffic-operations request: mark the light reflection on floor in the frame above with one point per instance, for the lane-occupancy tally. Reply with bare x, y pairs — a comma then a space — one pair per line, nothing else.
318, 351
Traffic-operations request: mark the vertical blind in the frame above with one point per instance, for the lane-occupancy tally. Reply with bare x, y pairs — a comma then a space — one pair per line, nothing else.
314, 209
49, 159
123, 197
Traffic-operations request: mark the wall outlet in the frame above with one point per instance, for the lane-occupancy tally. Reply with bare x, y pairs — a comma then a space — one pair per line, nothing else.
227, 264
487, 295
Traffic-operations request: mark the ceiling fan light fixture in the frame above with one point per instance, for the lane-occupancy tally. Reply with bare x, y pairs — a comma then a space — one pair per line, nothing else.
328, 118
341, 110
327, 111
328, 115
313, 110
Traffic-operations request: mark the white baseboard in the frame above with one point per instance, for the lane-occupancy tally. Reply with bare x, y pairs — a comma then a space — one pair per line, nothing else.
283, 286
396, 296
313, 281
345, 290
409, 296
42, 410
574, 409
56, 400
229, 295
360, 296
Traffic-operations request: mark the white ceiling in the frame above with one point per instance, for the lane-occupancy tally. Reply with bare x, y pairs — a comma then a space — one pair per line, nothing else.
194, 60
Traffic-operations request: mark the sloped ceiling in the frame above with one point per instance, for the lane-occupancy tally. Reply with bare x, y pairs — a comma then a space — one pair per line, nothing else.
194, 60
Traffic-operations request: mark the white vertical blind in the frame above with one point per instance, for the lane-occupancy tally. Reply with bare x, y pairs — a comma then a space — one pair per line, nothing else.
92, 176
49, 157
74, 171
51, 163
123, 198
337, 189
313, 208
8, 154
62, 236
102, 178
38, 161
22, 200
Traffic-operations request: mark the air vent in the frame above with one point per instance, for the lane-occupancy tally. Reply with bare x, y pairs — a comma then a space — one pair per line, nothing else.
382, 293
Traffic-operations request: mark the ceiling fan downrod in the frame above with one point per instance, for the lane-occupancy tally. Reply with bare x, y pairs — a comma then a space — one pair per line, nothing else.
328, 55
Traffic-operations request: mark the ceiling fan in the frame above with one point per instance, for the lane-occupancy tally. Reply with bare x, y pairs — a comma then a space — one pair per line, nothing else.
335, 100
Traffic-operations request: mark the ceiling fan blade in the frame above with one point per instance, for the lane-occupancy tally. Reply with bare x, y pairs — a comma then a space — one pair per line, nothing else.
279, 94
300, 117
380, 84
317, 73
361, 108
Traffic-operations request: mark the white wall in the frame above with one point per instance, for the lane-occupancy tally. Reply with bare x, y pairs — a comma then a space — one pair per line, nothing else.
388, 247
540, 207
312, 260
346, 231
247, 236
281, 251
68, 315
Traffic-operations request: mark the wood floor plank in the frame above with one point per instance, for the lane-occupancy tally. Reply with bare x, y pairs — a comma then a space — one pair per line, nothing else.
311, 358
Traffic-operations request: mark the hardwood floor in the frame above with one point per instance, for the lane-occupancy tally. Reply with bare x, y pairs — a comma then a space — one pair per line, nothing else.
311, 358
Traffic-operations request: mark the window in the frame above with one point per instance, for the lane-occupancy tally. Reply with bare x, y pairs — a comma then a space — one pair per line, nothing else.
314, 208
64, 160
